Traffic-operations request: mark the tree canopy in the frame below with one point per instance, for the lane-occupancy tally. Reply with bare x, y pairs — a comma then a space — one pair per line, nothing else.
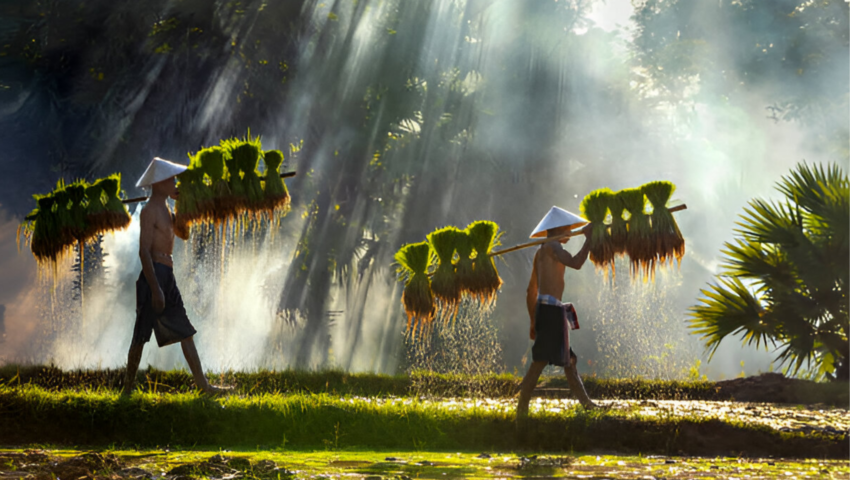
784, 279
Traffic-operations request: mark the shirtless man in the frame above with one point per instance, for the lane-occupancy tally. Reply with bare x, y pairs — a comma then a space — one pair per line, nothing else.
551, 336
159, 306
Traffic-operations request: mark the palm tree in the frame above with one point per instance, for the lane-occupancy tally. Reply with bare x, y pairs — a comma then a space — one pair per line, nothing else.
784, 279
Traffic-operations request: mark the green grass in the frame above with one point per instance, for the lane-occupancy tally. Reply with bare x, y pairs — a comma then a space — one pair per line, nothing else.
418, 383
103, 417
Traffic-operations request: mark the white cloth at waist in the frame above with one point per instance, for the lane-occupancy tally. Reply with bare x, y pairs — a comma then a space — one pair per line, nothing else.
544, 299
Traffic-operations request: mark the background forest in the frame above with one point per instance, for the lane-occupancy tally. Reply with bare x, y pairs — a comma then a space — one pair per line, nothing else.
401, 117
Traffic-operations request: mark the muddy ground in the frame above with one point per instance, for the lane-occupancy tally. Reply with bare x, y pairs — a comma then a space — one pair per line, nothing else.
166, 465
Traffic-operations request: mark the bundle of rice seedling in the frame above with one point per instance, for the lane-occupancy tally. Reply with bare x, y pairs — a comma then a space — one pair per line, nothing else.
619, 230
669, 243
485, 281
64, 220
464, 269
413, 262
639, 244
77, 210
27, 228
212, 162
276, 194
45, 243
96, 214
238, 200
444, 283
119, 217
186, 205
246, 156
594, 207
202, 188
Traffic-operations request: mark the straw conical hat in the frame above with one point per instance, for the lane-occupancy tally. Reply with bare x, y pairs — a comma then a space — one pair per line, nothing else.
159, 170
557, 217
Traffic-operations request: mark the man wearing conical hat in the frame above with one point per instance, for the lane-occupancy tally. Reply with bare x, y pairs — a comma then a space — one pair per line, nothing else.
159, 305
552, 320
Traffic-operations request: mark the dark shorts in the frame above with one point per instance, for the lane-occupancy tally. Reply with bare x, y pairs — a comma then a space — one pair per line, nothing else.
172, 325
549, 345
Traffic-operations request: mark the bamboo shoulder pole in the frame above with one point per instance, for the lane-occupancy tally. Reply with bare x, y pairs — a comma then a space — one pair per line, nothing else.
573, 233
142, 199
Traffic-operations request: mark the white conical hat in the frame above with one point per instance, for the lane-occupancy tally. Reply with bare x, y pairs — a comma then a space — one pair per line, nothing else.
557, 217
158, 171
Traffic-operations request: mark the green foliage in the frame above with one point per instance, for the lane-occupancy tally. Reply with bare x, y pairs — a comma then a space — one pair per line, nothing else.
784, 279
793, 52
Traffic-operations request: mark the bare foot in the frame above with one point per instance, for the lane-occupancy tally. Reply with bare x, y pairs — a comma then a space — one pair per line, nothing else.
596, 406
213, 390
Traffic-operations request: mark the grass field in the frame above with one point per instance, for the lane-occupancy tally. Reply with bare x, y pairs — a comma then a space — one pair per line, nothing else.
31, 414
420, 412
416, 384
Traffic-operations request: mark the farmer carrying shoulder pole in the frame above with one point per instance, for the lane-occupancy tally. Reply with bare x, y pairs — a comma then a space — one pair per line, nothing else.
551, 320
159, 305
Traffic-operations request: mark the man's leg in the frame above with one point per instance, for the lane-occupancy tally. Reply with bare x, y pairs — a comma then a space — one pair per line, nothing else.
576, 387
191, 354
529, 381
133, 359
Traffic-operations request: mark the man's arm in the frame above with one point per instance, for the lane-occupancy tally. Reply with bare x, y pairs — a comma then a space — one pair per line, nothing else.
531, 296
147, 220
573, 261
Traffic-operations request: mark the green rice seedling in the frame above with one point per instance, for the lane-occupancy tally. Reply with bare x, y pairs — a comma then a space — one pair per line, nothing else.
639, 244
464, 269
246, 156
238, 201
277, 197
77, 209
413, 262
202, 187
44, 242
594, 207
444, 283
96, 214
484, 236
26, 228
212, 162
619, 227
669, 243
187, 202
118, 214
64, 219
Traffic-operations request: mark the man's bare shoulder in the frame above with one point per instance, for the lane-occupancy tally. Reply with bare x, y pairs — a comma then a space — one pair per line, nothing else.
552, 247
152, 212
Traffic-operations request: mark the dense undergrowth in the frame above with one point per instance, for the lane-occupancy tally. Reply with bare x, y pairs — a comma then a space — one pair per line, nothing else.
420, 383
31, 414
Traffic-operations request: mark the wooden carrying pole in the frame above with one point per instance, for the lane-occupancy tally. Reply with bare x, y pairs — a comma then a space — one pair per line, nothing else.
142, 199
573, 233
